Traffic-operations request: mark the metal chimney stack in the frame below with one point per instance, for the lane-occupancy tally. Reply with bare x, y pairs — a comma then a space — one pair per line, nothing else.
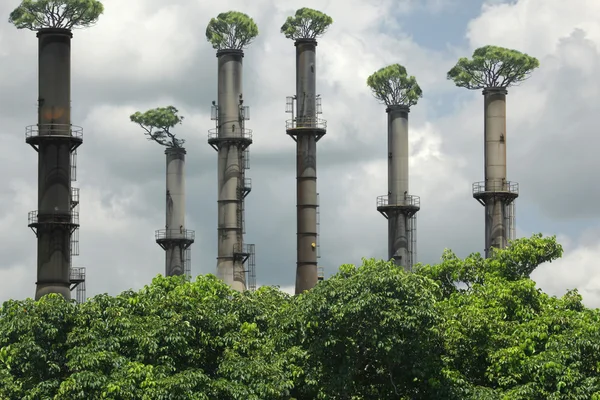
398, 206
306, 130
55, 140
231, 139
175, 239
496, 194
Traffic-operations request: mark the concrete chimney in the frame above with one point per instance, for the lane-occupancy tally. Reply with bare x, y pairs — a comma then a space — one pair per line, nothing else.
55, 140
175, 239
306, 129
231, 140
496, 194
398, 206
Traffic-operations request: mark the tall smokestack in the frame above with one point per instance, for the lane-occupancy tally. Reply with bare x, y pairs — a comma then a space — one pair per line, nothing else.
175, 239
393, 87
55, 139
494, 69
231, 139
157, 124
496, 194
398, 206
229, 33
306, 129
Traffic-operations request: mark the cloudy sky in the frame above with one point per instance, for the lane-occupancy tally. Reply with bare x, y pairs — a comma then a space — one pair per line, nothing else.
148, 53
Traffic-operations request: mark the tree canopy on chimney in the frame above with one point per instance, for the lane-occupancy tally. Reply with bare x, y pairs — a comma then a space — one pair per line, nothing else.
157, 124
231, 30
493, 67
65, 14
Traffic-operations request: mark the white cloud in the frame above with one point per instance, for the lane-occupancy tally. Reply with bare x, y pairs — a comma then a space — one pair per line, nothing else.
534, 26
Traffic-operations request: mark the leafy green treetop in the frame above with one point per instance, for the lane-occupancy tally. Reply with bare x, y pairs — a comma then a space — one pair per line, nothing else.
231, 30
493, 67
369, 332
157, 124
392, 86
306, 24
65, 14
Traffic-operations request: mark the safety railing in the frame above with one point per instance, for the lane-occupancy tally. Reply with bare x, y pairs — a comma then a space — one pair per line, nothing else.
495, 185
241, 133
166, 234
306, 122
401, 200
77, 274
67, 217
74, 196
54, 130
245, 248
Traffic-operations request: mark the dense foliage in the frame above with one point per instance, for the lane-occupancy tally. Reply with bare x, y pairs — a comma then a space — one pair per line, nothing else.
65, 14
393, 87
306, 24
231, 30
493, 67
462, 329
157, 124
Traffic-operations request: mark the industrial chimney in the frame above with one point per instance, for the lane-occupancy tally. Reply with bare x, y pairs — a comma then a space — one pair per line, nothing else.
496, 194
306, 130
54, 138
393, 87
175, 239
231, 139
494, 69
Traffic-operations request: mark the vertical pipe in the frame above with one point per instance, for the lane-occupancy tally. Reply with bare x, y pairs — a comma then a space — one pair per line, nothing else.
54, 172
230, 237
398, 224
495, 166
175, 210
306, 166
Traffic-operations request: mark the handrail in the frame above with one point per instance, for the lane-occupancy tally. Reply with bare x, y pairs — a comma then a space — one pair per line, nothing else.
54, 130
55, 217
306, 122
77, 274
246, 248
243, 133
495, 185
400, 200
165, 234
74, 195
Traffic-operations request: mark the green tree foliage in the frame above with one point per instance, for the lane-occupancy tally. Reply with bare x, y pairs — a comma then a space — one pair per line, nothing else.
392, 86
66, 14
462, 329
306, 24
493, 66
231, 30
370, 333
157, 124
506, 339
